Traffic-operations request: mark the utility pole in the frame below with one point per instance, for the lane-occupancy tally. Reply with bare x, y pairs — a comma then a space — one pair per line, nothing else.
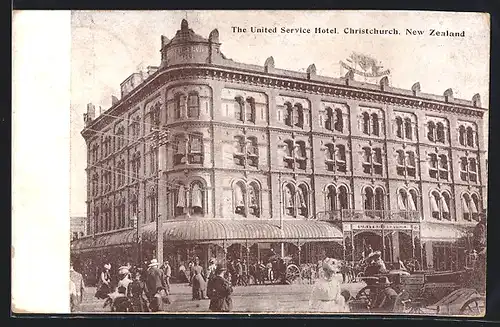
161, 137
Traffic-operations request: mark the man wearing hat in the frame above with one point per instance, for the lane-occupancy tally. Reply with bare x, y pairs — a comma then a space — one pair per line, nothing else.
167, 272
154, 279
219, 291
124, 273
386, 298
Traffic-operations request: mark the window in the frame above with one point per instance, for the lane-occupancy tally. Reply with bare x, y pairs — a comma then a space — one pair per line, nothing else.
134, 206
294, 154
468, 169
250, 110
120, 137
289, 199
372, 161
193, 105
135, 127
180, 201
470, 137
407, 200
375, 124
436, 132
95, 184
153, 157
246, 151
339, 121
188, 149
374, 202
197, 198
440, 205
399, 127
408, 129
180, 149
443, 167
405, 163
337, 200
302, 200
246, 199
238, 109
366, 123
461, 135
433, 165
120, 213
296, 200
155, 116
195, 149
329, 122
371, 123
288, 114
120, 173
178, 103
136, 165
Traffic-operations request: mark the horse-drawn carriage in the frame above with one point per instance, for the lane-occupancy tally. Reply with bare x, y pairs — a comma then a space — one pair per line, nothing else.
452, 293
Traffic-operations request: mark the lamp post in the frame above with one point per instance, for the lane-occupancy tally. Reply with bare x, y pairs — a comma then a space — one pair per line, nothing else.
160, 141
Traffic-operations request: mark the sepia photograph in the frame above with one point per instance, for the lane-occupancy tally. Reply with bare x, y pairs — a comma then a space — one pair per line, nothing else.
286, 162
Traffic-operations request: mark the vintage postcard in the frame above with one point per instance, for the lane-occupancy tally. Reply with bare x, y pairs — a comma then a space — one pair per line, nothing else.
324, 162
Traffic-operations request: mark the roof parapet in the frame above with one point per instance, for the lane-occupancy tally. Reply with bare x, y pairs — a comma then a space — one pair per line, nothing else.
415, 88
448, 95
384, 83
476, 100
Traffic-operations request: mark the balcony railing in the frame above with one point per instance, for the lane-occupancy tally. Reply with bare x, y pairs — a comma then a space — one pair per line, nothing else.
369, 215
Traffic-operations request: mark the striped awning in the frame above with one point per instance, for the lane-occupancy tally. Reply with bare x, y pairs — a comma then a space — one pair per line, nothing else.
443, 232
221, 231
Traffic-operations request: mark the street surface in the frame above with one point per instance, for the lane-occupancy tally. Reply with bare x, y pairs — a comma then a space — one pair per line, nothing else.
253, 298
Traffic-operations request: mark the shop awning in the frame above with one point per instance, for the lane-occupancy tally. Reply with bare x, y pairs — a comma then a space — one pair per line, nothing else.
220, 231
443, 232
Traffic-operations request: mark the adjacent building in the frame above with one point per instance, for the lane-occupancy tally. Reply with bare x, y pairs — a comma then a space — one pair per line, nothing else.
78, 227
256, 157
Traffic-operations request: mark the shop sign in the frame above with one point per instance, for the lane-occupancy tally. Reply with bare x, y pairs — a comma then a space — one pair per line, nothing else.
367, 226
397, 226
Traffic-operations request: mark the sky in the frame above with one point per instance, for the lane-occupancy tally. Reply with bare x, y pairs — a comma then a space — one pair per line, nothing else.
108, 46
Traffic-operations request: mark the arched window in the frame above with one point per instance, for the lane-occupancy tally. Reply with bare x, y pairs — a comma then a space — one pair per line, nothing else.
366, 123
301, 156
197, 198
239, 108
466, 207
343, 197
254, 199
180, 201
252, 151
377, 161
435, 201
402, 200
461, 135
375, 125
475, 206
440, 133
330, 152
408, 129
399, 127
303, 200
289, 119
445, 205
431, 130
470, 136
464, 169
289, 199
413, 200
339, 122
369, 199
379, 199
329, 119
331, 198
193, 105
250, 110
298, 116
240, 196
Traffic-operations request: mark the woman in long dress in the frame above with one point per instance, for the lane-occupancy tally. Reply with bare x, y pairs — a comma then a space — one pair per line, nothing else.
326, 293
198, 282
136, 292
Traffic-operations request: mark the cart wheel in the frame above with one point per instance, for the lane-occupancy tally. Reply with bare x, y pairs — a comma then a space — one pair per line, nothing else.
367, 293
473, 307
292, 274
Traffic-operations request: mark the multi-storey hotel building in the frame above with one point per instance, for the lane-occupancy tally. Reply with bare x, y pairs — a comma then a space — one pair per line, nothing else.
256, 157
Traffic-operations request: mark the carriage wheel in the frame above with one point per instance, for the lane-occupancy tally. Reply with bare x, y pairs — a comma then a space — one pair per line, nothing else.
473, 307
367, 293
292, 274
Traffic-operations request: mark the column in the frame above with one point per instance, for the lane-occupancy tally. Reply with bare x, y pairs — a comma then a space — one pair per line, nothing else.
429, 255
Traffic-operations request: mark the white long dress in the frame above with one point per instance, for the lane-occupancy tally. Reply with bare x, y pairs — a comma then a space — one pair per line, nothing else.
326, 297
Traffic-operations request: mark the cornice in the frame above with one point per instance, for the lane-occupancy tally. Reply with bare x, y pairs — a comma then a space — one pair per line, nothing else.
237, 75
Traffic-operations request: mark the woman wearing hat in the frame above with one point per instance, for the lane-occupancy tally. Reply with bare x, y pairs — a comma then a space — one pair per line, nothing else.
198, 282
219, 291
326, 294
137, 293
104, 286
124, 274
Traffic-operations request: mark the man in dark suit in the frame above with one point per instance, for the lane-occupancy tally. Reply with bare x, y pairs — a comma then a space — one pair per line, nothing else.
219, 291
154, 279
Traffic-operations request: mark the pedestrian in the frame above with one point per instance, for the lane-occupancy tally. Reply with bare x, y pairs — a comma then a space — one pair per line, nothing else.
198, 282
104, 283
219, 292
190, 270
137, 293
182, 273
211, 268
159, 301
167, 272
154, 279
386, 298
326, 293
124, 275
77, 288
239, 273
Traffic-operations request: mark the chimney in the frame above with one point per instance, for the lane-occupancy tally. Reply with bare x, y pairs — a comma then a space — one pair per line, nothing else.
416, 89
448, 95
89, 116
311, 71
476, 100
269, 64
